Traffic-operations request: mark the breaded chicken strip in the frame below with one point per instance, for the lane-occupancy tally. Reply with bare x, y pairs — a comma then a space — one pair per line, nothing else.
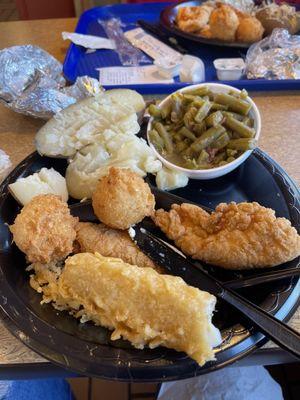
235, 236
110, 243
45, 230
138, 304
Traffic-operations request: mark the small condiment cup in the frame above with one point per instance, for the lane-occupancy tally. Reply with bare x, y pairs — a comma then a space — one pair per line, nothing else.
229, 69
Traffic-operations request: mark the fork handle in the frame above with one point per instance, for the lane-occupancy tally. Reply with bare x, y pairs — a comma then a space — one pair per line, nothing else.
276, 330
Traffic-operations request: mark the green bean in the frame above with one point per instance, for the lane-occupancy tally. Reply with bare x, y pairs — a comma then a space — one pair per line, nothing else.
189, 116
222, 141
164, 134
221, 163
210, 95
181, 146
189, 97
187, 133
166, 110
203, 157
154, 111
216, 106
198, 129
244, 94
231, 152
234, 115
234, 104
202, 91
198, 102
237, 126
230, 159
177, 137
207, 138
191, 163
177, 109
203, 111
156, 139
248, 121
242, 144
214, 119
219, 157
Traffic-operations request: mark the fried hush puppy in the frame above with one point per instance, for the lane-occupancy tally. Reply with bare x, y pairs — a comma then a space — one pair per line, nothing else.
44, 229
122, 199
138, 304
250, 30
235, 236
223, 23
192, 19
220, 21
109, 242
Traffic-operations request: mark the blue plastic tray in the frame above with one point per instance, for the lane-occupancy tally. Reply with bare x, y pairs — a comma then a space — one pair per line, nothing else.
78, 63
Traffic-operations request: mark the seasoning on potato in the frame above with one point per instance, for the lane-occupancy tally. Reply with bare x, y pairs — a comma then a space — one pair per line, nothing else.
200, 129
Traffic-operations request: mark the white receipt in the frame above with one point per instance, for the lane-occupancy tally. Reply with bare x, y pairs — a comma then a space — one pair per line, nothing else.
152, 46
131, 75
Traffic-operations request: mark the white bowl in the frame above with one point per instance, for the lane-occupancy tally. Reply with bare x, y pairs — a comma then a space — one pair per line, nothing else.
218, 171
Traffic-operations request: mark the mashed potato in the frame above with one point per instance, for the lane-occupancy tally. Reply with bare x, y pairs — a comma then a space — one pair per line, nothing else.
138, 304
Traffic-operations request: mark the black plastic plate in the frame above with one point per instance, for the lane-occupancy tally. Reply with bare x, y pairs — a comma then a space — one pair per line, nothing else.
87, 349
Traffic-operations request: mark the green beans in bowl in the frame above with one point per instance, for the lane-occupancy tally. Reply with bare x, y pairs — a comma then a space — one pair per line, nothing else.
204, 130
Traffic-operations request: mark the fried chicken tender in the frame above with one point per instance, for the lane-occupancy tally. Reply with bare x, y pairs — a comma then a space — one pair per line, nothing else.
44, 229
235, 236
224, 23
110, 243
138, 304
122, 199
250, 30
192, 19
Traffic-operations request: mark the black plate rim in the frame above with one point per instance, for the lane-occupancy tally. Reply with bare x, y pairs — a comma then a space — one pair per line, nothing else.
150, 373
166, 22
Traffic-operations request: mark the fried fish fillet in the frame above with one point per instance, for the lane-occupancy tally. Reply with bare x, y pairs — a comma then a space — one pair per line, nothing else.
235, 236
138, 304
110, 243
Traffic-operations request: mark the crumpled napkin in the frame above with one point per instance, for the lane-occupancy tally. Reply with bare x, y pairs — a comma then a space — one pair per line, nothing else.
89, 41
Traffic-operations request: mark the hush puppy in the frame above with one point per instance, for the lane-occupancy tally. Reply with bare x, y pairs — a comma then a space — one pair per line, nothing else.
250, 30
122, 199
192, 19
44, 229
224, 23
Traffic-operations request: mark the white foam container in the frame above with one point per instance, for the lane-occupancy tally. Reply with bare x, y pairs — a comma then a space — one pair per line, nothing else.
205, 174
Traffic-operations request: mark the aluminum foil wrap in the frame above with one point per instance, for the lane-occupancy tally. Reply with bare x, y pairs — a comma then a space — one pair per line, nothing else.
275, 57
31, 82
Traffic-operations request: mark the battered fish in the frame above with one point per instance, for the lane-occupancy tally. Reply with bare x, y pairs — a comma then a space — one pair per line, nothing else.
138, 304
44, 229
110, 243
235, 236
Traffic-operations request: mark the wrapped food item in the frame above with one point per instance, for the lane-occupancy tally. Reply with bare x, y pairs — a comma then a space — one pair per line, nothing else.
279, 16
31, 82
275, 57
